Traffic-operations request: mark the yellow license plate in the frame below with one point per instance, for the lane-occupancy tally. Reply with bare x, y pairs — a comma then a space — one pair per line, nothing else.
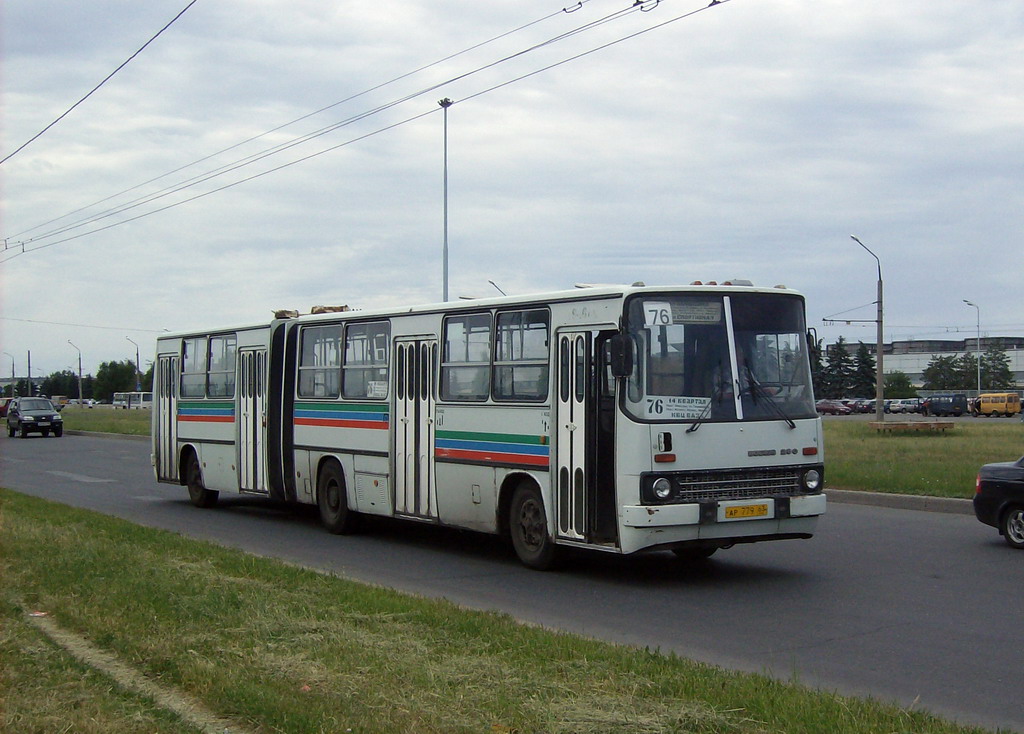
738, 511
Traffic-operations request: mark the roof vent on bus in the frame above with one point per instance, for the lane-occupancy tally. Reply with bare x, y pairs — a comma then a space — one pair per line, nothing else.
329, 309
286, 313
737, 281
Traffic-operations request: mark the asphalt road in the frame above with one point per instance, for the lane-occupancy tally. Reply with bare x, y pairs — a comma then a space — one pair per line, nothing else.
920, 608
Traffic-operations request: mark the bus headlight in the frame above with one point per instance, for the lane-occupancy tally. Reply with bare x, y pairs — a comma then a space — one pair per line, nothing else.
662, 488
812, 480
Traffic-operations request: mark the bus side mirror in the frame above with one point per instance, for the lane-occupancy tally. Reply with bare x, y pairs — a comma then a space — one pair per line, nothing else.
621, 357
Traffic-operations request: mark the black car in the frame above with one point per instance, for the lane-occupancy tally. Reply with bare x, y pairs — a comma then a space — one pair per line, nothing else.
33, 415
999, 499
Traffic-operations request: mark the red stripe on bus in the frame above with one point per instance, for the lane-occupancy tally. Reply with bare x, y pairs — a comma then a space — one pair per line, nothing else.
497, 458
207, 418
335, 423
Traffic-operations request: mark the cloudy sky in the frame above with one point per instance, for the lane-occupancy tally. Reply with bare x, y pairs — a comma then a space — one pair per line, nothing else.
749, 139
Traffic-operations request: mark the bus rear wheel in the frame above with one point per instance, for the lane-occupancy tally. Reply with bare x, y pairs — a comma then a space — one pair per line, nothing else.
200, 495
528, 527
332, 500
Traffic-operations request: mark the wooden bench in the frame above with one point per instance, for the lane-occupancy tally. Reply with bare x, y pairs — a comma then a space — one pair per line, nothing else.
893, 426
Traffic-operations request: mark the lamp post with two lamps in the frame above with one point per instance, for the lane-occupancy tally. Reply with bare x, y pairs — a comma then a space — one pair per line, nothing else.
879, 384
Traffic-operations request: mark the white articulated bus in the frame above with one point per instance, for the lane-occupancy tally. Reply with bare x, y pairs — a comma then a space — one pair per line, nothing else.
614, 418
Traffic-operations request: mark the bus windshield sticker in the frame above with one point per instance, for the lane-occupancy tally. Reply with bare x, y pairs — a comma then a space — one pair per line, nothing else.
377, 389
676, 408
696, 312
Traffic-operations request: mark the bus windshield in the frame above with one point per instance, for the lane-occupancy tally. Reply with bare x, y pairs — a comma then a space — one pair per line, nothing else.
718, 358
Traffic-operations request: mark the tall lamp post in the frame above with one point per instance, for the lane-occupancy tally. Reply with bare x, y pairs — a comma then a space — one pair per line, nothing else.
14, 380
138, 367
879, 384
978, 343
79, 373
445, 104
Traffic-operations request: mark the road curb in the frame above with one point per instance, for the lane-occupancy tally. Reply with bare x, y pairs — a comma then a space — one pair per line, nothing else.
98, 434
951, 505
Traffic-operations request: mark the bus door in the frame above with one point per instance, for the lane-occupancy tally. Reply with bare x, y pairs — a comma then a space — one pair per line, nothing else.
584, 453
415, 382
165, 418
252, 393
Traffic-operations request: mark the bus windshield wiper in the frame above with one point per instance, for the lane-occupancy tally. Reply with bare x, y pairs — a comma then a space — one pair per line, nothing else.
757, 389
716, 394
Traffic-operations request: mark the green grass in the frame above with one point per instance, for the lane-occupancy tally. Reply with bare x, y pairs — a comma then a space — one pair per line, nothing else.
104, 419
937, 464
277, 648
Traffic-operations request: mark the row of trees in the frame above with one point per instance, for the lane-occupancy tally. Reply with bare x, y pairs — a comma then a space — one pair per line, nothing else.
838, 373
111, 377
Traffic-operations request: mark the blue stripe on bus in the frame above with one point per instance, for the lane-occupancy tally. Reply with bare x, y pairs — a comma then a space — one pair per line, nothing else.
505, 448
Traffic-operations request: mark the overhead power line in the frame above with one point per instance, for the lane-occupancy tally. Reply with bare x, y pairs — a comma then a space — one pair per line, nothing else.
640, 5
105, 80
308, 115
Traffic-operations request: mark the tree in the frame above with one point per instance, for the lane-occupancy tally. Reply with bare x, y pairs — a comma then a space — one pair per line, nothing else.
837, 374
864, 373
898, 385
995, 370
114, 377
61, 383
966, 366
941, 374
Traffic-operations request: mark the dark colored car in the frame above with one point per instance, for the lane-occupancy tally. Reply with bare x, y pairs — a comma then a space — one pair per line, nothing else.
944, 405
831, 407
999, 499
33, 415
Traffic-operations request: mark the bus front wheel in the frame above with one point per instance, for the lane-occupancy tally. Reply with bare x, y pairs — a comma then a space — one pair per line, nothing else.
332, 501
528, 527
200, 495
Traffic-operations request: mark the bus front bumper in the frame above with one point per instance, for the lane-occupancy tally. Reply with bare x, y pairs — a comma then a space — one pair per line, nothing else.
705, 513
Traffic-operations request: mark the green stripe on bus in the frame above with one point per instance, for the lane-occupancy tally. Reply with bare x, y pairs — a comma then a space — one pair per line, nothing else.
363, 407
493, 437
204, 404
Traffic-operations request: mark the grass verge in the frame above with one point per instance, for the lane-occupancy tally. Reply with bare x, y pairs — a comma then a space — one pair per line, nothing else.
936, 464
104, 419
282, 649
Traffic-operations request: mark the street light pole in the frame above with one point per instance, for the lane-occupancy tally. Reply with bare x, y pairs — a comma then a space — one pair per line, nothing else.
978, 342
79, 373
14, 380
445, 104
879, 384
138, 367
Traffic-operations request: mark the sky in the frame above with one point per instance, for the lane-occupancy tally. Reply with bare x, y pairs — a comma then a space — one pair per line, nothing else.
746, 139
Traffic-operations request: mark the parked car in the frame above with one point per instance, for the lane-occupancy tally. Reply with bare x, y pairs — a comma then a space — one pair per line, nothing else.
945, 405
33, 415
905, 405
831, 407
999, 499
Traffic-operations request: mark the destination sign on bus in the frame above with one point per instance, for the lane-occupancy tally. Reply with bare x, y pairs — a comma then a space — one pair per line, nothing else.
676, 408
661, 313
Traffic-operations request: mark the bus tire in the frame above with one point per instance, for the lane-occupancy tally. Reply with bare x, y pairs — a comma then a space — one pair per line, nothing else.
332, 500
528, 527
197, 493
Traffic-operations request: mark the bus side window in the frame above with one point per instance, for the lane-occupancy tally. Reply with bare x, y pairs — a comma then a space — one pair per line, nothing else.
466, 360
320, 362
